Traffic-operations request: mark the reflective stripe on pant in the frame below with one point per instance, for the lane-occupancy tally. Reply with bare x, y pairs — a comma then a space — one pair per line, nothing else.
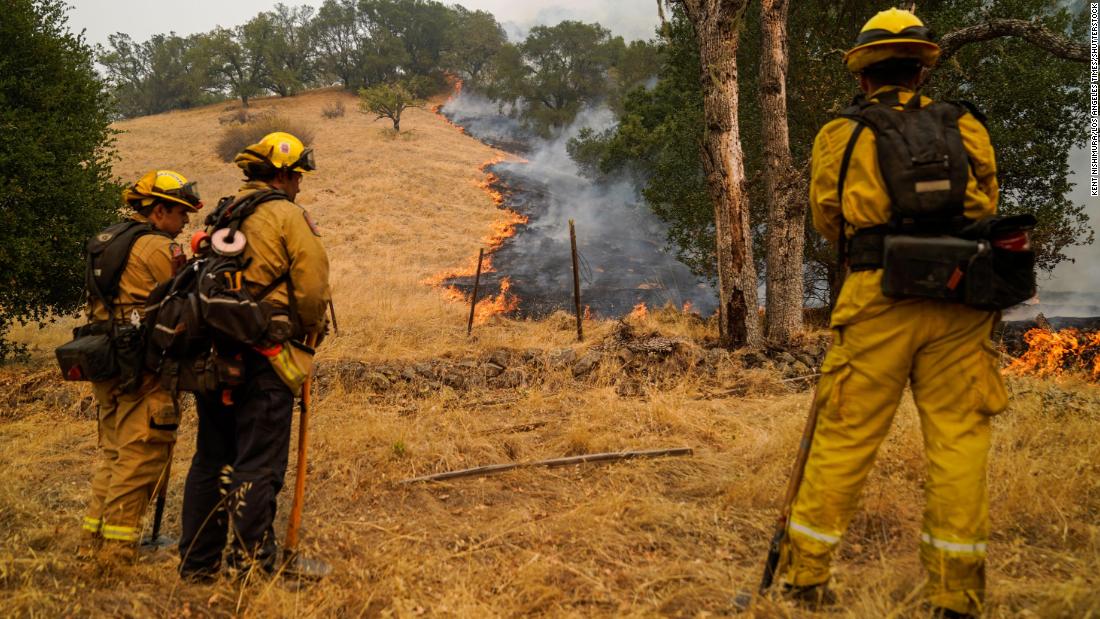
136, 434
944, 351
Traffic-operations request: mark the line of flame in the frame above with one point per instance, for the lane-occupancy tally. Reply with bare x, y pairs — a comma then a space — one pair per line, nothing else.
1051, 353
504, 301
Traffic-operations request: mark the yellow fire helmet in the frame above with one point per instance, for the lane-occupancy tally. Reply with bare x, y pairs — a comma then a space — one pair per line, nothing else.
165, 186
893, 33
278, 150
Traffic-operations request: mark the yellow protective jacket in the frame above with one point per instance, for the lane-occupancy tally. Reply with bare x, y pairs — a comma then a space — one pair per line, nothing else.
153, 260
282, 239
867, 202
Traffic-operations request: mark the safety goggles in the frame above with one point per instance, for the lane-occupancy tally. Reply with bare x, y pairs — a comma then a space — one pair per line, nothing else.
305, 163
915, 33
189, 193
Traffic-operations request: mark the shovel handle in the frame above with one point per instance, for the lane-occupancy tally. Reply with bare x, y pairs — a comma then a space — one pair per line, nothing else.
295, 521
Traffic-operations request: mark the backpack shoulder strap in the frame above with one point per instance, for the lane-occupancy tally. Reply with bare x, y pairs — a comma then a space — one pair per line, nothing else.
845, 161
107, 255
967, 106
232, 212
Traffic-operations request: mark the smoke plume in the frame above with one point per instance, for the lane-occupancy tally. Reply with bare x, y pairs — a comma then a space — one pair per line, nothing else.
623, 245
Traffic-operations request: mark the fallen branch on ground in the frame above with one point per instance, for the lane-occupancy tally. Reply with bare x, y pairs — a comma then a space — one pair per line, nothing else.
493, 469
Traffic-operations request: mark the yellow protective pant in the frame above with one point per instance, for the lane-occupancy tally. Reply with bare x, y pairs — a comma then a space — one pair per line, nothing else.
943, 350
136, 434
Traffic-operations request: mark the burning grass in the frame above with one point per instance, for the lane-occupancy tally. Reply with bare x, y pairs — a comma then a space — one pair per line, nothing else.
1053, 352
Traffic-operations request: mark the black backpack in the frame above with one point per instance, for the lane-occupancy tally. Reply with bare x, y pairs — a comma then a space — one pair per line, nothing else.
200, 320
102, 350
929, 248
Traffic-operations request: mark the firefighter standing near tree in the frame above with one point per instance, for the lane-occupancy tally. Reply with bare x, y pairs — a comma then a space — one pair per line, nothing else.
881, 343
137, 419
244, 432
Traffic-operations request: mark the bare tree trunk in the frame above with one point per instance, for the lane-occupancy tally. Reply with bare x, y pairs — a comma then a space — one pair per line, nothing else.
716, 24
786, 210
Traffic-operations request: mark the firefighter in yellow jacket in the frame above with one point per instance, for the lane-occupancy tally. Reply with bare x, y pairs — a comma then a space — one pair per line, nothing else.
244, 434
137, 419
941, 349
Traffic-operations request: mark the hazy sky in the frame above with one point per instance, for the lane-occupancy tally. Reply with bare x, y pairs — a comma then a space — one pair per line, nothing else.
633, 19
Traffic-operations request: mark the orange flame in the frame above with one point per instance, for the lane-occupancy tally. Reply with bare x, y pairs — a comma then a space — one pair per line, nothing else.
587, 314
437, 108
502, 229
1051, 353
640, 311
688, 307
504, 302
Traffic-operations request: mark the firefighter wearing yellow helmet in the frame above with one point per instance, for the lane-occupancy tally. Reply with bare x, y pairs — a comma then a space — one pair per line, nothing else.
244, 434
883, 343
137, 419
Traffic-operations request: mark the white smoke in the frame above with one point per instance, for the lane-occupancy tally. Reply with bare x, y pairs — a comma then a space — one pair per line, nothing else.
624, 245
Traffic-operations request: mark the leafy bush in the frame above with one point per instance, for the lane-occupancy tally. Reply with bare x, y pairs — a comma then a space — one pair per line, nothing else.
56, 185
235, 138
333, 110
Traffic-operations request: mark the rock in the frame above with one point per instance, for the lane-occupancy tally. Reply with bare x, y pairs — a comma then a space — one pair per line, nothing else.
500, 357
426, 370
511, 378
564, 356
624, 355
784, 357
805, 358
409, 374
752, 359
532, 354
388, 371
797, 369
586, 364
454, 380
491, 369
378, 381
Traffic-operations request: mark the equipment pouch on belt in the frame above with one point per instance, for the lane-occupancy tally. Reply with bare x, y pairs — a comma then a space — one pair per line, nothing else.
89, 356
930, 267
129, 344
988, 265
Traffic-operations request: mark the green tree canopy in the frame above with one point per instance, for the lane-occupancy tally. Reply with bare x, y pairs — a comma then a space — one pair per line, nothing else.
56, 188
389, 100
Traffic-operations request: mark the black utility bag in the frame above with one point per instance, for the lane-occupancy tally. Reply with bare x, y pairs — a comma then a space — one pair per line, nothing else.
929, 249
103, 350
201, 320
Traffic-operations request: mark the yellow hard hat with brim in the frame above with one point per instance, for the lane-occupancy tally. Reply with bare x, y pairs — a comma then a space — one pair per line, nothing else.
892, 33
164, 186
278, 150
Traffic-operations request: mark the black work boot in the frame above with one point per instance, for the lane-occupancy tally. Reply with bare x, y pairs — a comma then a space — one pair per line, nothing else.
810, 597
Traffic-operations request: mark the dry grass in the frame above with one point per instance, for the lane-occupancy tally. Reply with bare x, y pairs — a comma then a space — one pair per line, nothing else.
669, 537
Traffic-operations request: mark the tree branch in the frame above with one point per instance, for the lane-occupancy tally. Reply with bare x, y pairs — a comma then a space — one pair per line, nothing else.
1034, 33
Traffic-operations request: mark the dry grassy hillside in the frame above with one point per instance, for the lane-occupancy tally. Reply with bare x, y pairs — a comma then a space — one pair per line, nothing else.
401, 392
394, 211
